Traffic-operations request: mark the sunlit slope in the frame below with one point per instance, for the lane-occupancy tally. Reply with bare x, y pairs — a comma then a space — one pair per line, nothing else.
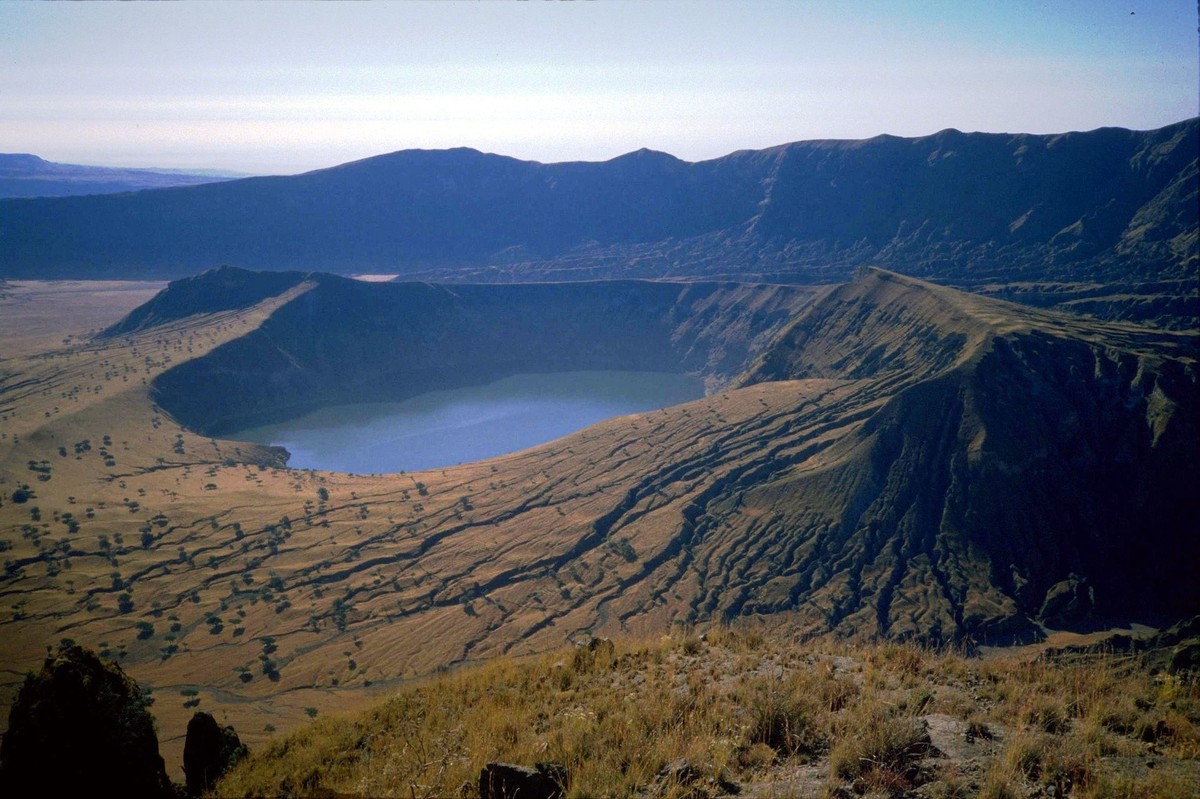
205, 546
897, 459
1023, 466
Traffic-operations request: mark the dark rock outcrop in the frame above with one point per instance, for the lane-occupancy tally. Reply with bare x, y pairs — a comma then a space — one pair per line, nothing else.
509, 781
1185, 658
1068, 601
208, 752
80, 727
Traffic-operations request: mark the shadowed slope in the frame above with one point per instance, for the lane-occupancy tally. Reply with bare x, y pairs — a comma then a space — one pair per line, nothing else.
1017, 454
223, 289
1106, 218
347, 341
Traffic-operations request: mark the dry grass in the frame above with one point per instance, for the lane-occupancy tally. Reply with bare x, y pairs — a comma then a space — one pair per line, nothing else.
376, 580
739, 707
37, 315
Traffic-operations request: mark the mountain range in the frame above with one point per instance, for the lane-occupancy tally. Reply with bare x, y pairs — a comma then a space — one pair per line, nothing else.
1105, 219
25, 175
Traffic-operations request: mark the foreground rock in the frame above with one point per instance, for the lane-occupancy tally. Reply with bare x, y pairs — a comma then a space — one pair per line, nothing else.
210, 751
80, 728
509, 781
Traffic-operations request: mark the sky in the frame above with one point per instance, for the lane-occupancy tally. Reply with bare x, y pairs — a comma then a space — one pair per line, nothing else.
279, 88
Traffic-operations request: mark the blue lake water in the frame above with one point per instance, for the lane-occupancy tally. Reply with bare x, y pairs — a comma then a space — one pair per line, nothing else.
443, 428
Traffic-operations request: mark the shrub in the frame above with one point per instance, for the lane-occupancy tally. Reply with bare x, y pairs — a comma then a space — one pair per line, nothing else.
1047, 714
782, 720
882, 751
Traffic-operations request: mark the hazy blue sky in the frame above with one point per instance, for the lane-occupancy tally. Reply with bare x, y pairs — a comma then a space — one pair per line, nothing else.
285, 87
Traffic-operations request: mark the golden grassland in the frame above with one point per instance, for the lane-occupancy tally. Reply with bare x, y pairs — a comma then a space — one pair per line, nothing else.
42, 315
246, 590
263, 594
763, 715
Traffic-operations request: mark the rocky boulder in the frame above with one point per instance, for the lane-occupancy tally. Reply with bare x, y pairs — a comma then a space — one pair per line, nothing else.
80, 727
208, 752
509, 781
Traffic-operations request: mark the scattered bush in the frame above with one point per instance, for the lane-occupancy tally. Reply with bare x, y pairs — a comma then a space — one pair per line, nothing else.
880, 750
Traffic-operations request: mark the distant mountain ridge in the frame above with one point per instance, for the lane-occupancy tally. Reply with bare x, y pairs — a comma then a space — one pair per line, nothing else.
1110, 206
26, 175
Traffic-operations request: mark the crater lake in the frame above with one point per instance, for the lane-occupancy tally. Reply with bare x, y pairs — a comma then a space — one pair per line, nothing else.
442, 428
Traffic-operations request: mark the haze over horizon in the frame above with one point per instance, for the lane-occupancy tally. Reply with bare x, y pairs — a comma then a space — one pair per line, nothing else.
281, 89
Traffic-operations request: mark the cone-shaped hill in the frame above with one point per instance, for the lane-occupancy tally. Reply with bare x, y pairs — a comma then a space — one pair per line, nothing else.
884, 458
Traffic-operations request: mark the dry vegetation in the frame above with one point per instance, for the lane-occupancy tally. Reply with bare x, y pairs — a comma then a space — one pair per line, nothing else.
753, 714
265, 595
79, 308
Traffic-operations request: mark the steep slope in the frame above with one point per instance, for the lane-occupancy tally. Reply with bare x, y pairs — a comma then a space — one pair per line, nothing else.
1023, 466
884, 496
1110, 206
222, 289
898, 460
346, 341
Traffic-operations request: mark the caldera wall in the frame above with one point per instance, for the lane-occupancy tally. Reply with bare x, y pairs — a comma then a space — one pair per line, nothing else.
346, 341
